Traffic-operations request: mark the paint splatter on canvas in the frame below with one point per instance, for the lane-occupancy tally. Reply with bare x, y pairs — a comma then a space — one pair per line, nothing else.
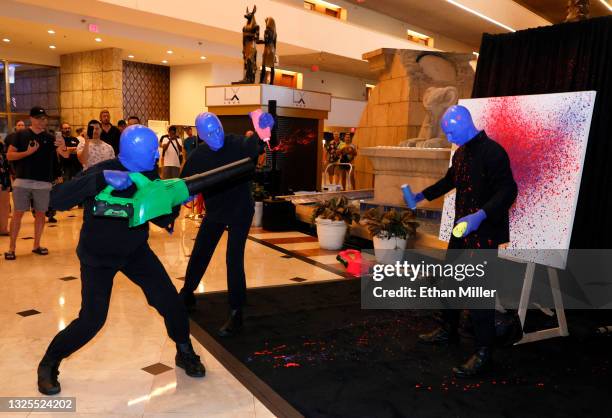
545, 137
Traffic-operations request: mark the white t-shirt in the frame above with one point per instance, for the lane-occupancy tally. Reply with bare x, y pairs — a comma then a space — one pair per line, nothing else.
98, 151
171, 157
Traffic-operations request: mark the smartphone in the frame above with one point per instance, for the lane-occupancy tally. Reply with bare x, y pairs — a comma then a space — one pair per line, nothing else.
90, 130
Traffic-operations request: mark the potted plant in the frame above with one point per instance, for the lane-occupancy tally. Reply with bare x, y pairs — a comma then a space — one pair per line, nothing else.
390, 231
259, 195
332, 219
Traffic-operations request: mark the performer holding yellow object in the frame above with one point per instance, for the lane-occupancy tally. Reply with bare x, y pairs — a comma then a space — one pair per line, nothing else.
485, 190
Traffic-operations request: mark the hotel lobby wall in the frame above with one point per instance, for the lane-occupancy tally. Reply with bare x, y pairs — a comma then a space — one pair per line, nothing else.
187, 88
89, 82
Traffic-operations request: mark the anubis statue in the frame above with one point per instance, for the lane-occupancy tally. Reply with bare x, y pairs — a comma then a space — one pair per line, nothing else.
250, 37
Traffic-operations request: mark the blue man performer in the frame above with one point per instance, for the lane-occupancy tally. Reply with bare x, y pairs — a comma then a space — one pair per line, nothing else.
485, 191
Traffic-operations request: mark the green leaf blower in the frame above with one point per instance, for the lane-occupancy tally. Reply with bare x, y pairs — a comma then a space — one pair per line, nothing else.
155, 198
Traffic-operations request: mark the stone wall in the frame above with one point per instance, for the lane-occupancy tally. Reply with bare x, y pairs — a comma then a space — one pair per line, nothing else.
395, 109
89, 82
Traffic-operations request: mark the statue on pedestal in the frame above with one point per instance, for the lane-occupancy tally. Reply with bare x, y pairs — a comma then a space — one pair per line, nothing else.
269, 53
577, 10
436, 101
250, 38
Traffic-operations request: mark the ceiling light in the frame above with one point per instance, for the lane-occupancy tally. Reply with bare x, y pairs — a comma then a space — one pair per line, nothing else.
98, 39
467, 9
130, 56
51, 32
165, 62
605, 3
170, 51
52, 46
202, 57
7, 40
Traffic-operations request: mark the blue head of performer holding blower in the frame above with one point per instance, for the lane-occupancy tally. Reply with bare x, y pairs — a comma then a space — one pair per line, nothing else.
210, 130
458, 126
138, 148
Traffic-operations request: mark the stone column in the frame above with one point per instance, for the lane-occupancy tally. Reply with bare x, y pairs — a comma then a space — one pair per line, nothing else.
89, 82
395, 109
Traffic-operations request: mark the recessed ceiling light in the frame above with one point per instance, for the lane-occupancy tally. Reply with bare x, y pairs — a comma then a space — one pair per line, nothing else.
130, 56
165, 62
98, 39
170, 51
52, 46
7, 40
202, 57
51, 32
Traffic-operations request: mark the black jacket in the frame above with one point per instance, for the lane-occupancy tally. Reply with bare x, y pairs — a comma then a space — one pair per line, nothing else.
232, 201
104, 242
482, 175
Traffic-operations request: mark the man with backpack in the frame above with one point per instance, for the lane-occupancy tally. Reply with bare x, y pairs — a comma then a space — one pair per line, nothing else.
172, 154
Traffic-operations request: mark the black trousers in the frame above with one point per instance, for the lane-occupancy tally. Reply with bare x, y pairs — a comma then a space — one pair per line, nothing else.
208, 237
144, 269
483, 320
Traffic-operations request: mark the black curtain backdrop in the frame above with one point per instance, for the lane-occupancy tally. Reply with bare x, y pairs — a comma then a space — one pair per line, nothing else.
555, 59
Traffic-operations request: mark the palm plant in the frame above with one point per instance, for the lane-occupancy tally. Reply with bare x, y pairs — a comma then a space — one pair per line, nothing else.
336, 209
391, 223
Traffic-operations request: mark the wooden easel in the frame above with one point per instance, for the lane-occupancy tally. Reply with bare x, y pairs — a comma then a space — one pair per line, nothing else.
553, 278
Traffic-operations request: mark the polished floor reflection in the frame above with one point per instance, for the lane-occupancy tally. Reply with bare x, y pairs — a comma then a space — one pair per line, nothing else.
107, 376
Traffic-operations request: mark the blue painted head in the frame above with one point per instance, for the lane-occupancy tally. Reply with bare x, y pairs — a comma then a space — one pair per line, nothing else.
138, 148
458, 126
210, 130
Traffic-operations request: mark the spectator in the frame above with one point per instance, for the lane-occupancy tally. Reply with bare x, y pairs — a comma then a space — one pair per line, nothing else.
80, 137
133, 120
191, 142
110, 134
93, 150
348, 152
34, 152
10, 138
332, 156
19, 125
5, 191
172, 154
71, 165
121, 125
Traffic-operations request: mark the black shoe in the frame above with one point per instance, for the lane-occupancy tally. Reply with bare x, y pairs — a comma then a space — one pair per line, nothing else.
233, 325
477, 365
52, 220
439, 336
188, 360
48, 370
188, 299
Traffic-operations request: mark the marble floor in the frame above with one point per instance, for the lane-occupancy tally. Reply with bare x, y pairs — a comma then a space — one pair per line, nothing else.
40, 295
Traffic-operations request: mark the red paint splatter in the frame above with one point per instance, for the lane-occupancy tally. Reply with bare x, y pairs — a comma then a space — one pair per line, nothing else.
292, 365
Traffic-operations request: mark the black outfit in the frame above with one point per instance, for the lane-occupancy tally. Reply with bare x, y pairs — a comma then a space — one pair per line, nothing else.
106, 246
43, 165
112, 137
482, 176
5, 174
71, 165
231, 206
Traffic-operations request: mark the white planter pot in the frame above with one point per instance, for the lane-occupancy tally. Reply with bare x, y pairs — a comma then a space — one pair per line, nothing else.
330, 233
258, 214
389, 250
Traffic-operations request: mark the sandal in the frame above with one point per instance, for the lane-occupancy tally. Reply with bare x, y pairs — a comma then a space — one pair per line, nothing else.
40, 251
9, 255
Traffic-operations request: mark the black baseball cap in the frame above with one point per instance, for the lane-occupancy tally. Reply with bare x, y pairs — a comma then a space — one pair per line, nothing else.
37, 112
